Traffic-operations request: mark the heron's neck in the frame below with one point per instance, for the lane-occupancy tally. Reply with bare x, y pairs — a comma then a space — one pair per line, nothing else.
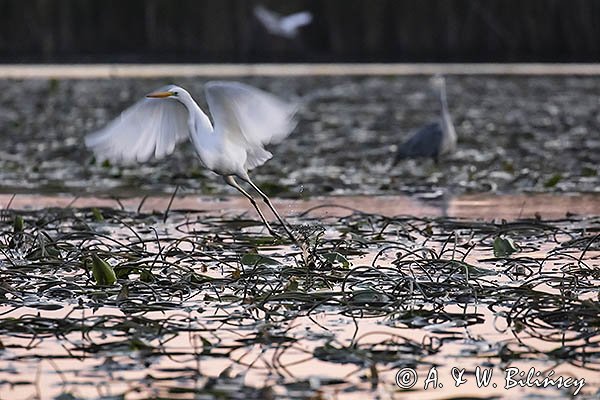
443, 100
447, 125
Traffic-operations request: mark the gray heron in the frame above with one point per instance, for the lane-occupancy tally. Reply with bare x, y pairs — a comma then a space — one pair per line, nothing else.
435, 139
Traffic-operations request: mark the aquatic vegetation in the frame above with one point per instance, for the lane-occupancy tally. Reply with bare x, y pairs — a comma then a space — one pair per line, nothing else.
515, 134
207, 304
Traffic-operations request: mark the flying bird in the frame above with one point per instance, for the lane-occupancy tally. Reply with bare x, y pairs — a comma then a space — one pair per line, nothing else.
435, 139
245, 120
286, 26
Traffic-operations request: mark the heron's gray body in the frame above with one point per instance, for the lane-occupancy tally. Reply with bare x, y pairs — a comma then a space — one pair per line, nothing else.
432, 140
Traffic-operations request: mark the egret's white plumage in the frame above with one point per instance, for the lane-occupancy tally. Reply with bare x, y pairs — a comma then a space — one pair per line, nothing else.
245, 120
249, 118
286, 26
148, 128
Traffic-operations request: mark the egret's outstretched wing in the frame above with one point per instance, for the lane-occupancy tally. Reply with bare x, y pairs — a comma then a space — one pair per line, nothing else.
151, 127
294, 21
249, 117
268, 18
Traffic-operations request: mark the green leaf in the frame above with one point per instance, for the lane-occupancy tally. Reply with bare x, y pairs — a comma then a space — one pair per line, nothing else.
19, 224
146, 276
366, 296
504, 247
587, 171
553, 180
257, 259
336, 258
198, 278
291, 286
98, 217
123, 293
102, 271
136, 344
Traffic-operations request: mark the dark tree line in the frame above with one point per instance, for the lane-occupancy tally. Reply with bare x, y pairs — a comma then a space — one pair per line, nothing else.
342, 30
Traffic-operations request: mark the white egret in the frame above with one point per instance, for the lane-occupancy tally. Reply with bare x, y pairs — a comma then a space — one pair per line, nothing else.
245, 120
435, 139
282, 25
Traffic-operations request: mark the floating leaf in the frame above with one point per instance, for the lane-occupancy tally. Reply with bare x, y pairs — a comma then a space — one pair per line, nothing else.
553, 180
257, 259
123, 293
53, 85
587, 171
102, 271
136, 344
80, 226
19, 224
198, 278
65, 396
98, 217
146, 276
504, 247
291, 286
336, 258
368, 296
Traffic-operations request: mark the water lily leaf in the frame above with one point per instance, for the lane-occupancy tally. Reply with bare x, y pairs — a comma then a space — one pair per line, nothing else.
98, 217
553, 180
504, 247
65, 396
368, 296
123, 293
292, 285
102, 271
198, 278
19, 224
257, 259
139, 344
146, 276
358, 238
342, 355
80, 226
336, 258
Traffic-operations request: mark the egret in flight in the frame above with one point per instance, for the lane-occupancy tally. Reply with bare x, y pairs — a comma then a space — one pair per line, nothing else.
245, 119
435, 139
282, 25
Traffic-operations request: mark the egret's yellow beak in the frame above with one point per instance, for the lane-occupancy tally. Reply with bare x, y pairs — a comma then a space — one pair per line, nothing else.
160, 95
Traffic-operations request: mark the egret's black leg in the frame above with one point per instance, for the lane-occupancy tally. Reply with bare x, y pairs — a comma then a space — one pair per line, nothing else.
268, 202
231, 182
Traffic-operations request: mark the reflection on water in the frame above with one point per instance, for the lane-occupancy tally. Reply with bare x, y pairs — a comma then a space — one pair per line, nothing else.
196, 313
484, 206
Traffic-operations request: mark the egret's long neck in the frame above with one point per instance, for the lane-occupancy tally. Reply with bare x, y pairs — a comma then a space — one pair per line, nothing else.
198, 122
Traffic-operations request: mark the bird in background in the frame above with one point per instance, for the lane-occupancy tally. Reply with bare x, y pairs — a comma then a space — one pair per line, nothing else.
286, 26
435, 139
245, 119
